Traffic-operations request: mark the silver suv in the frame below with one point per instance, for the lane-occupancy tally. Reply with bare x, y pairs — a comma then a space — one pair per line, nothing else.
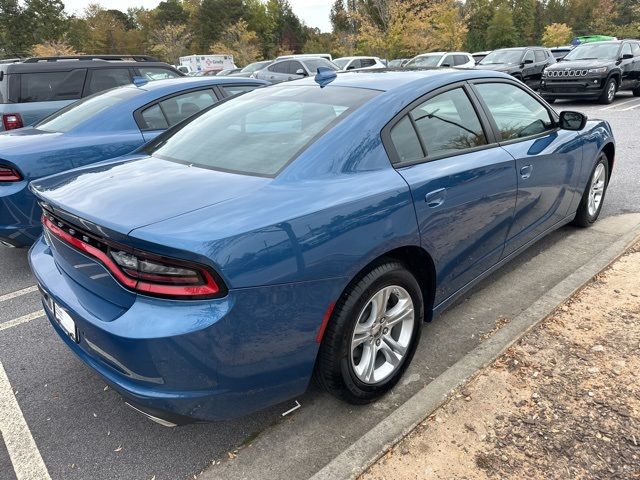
293, 69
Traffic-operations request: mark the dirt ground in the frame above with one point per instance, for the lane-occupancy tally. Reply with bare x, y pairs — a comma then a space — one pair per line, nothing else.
563, 403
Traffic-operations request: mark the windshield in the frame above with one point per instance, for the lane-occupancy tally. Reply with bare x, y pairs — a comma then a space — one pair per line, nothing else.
593, 51
313, 64
254, 67
424, 61
82, 110
503, 56
260, 132
341, 62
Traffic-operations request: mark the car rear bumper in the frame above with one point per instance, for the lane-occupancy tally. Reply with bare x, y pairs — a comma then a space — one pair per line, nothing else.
200, 360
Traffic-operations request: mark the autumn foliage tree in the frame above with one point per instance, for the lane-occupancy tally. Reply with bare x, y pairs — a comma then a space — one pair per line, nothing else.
240, 42
557, 34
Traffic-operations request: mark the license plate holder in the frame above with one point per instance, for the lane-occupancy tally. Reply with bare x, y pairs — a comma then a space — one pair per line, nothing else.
64, 320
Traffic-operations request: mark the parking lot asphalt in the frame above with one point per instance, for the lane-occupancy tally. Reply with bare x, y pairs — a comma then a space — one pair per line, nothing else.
81, 430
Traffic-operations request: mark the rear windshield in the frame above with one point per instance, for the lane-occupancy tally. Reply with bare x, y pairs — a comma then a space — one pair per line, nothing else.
73, 115
51, 86
260, 132
503, 56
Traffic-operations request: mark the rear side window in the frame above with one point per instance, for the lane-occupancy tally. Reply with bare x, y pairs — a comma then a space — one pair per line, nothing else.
367, 62
460, 59
282, 67
260, 132
106, 78
405, 140
181, 107
540, 56
448, 123
232, 90
516, 113
154, 119
635, 47
157, 73
50, 86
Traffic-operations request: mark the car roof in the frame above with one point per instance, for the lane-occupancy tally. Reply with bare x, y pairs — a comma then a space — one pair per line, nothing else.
171, 84
388, 79
62, 66
354, 57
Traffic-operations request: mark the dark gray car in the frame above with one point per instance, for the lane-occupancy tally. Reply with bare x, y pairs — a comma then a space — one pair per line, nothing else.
293, 69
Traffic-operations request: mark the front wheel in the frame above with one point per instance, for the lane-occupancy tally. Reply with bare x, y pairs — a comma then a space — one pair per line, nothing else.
593, 196
608, 94
636, 92
372, 335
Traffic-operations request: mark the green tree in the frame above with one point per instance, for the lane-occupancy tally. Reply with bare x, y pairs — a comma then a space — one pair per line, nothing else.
240, 42
171, 12
478, 13
15, 38
524, 19
47, 20
213, 17
501, 32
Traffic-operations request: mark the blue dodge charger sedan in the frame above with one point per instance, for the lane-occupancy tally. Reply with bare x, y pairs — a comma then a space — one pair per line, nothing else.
306, 229
99, 127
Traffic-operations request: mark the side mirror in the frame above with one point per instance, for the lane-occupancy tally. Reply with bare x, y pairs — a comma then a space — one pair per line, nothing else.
528, 61
575, 121
627, 56
301, 71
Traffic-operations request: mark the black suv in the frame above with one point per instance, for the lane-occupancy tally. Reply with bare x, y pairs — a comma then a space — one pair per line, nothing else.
524, 63
595, 71
34, 88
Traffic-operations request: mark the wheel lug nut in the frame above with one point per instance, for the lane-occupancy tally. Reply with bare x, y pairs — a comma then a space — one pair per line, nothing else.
378, 342
385, 331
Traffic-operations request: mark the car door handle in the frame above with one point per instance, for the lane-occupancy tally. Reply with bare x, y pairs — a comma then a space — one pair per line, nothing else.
436, 198
525, 172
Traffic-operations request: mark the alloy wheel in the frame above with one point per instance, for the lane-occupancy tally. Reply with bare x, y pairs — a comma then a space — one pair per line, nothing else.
382, 335
596, 191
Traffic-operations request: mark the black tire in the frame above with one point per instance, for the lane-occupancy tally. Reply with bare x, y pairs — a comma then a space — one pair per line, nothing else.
583, 218
636, 92
334, 371
605, 97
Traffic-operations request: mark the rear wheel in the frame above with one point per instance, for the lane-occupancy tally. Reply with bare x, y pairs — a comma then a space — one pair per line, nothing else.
593, 196
372, 335
608, 94
636, 92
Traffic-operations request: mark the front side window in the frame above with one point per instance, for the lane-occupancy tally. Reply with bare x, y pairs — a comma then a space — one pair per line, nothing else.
106, 78
448, 123
313, 64
529, 56
51, 86
260, 132
73, 115
626, 49
294, 67
448, 61
341, 62
281, 67
424, 61
516, 113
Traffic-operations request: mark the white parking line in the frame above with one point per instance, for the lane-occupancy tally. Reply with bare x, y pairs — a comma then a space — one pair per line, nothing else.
630, 108
616, 105
18, 293
20, 320
23, 451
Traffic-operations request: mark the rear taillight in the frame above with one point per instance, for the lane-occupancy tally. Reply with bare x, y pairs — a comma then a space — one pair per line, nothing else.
9, 174
11, 121
143, 272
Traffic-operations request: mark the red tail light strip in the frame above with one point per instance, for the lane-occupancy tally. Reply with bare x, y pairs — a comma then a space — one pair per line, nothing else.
209, 289
9, 174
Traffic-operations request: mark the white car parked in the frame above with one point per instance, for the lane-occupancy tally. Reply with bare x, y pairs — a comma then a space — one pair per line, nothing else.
442, 59
355, 63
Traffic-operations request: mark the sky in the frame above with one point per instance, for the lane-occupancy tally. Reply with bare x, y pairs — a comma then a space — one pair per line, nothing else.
314, 13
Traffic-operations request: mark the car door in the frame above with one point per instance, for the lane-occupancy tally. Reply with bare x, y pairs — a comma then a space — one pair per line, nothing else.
463, 184
295, 67
529, 68
627, 61
156, 118
548, 160
447, 61
635, 67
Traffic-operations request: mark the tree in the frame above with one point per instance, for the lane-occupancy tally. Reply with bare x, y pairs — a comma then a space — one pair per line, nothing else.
478, 13
15, 38
557, 34
171, 12
170, 42
524, 19
47, 20
213, 17
240, 42
501, 32
53, 49
448, 25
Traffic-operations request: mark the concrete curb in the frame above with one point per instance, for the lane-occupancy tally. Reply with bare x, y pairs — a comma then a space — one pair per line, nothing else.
373, 444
